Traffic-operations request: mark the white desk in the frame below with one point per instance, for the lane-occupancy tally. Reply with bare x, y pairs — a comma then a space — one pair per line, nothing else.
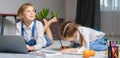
55, 46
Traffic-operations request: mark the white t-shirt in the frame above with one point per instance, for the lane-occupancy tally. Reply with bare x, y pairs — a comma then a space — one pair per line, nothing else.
38, 33
89, 34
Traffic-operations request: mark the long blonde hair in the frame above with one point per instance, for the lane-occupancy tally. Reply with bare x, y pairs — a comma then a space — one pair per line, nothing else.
68, 29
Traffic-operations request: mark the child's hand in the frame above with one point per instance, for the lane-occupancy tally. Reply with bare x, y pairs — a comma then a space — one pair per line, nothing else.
68, 50
63, 50
63, 47
54, 19
30, 48
45, 21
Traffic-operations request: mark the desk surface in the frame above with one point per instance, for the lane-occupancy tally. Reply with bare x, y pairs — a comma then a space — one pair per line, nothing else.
55, 46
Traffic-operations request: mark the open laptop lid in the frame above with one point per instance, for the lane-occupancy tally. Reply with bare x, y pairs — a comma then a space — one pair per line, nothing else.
12, 44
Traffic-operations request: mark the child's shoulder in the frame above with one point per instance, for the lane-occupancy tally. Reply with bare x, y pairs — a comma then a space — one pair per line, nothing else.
83, 27
37, 21
19, 23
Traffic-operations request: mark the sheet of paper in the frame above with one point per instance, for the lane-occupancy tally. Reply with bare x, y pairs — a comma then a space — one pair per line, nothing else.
72, 53
45, 53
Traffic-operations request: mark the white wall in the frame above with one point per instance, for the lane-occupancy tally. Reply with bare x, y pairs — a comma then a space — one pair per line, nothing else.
109, 26
67, 11
71, 6
110, 23
11, 6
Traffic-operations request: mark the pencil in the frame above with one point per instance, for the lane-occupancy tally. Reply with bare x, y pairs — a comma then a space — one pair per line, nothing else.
61, 43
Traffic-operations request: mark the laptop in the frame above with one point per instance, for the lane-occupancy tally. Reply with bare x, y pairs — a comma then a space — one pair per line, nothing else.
12, 44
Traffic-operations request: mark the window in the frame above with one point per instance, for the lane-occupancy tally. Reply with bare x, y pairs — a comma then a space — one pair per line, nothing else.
109, 5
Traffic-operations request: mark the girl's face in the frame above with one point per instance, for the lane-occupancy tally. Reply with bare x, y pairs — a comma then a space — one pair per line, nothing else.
71, 38
28, 14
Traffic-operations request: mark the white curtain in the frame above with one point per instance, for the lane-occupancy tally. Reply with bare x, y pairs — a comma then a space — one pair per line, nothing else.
110, 16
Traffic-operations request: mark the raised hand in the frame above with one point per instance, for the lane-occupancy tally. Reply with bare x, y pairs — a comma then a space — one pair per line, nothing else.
54, 19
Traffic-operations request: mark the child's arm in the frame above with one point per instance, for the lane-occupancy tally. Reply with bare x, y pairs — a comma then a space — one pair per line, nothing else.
30, 48
47, 28
64, 47
79, 49
40, 40
68, 50
54, 19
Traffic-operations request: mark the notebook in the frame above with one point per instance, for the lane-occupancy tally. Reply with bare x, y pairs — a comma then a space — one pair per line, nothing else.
12, 44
